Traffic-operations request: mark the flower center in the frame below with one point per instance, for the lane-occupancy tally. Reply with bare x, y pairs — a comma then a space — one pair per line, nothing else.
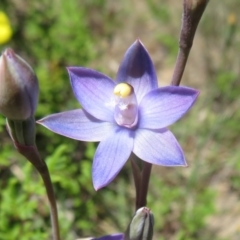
126, 108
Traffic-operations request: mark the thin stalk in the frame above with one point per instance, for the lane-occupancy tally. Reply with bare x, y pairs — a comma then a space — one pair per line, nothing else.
141, 180
180, 65
31, 153
52, 201
137, 179
146, 173
22, 134
192, 13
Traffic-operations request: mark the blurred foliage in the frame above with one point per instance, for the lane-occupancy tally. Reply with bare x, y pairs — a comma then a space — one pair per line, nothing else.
52, 35
162, 13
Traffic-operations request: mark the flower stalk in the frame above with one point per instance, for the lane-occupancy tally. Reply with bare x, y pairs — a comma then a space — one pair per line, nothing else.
192, 13
31, 153
146, 173
141, 180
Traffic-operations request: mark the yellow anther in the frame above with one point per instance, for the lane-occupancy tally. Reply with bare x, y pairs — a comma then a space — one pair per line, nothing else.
123, 90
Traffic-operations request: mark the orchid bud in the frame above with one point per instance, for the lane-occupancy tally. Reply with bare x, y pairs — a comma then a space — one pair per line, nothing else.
18, 87
141, 226
192, 13
18, 97
195, 4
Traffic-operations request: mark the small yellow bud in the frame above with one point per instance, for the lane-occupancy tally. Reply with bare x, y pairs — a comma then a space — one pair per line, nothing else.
5, 28
123, 90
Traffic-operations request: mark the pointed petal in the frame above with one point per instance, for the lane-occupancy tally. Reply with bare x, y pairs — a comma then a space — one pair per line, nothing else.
111, 154
164, 106
137, 69
78, 125
158, 147
94, 91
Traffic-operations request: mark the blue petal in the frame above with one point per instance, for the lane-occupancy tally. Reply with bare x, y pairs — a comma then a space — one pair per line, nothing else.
158, 147
164, 106
137, 69
94, 91
78, 125
116, 236
111, 154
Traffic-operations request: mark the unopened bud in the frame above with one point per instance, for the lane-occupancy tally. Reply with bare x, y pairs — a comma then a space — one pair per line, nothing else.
18, 87
192, 13
141, 226
195, 4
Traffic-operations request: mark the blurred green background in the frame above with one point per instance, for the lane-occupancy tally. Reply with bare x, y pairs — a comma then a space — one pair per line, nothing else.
198, 202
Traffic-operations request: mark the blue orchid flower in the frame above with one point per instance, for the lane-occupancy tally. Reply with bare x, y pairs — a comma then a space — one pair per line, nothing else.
130, 114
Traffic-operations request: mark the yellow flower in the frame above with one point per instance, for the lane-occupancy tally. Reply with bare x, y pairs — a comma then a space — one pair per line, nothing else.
5, 28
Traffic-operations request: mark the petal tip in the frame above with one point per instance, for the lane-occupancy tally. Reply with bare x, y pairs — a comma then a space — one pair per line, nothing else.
136, 66
72, 69
185, 165
68, 68
197, 92
40, 121
138, 41
97, 186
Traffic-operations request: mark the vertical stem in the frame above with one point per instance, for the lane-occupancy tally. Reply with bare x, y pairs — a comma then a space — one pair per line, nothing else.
180, 65
146, 173
52, 202
192, 13
31, 153
137, 179
141, 180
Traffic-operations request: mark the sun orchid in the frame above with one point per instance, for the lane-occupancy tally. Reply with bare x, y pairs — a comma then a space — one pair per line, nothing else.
130, 114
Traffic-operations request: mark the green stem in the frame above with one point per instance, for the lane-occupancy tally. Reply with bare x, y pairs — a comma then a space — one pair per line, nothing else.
31, 153
51, 197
